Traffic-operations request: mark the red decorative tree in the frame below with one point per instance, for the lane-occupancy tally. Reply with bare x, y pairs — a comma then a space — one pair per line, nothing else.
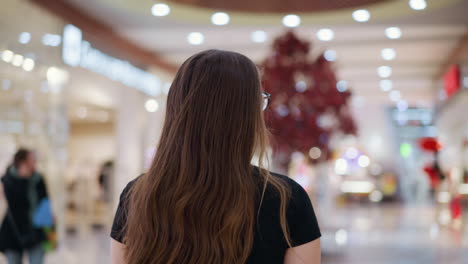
308, 105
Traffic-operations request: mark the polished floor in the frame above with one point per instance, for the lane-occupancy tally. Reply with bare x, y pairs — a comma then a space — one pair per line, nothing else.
351, 235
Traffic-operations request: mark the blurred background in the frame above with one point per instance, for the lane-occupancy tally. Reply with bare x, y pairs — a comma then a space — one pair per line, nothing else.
368, 111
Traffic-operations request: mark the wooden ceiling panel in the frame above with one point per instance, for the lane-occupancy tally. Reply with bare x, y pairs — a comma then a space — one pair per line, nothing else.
278, 6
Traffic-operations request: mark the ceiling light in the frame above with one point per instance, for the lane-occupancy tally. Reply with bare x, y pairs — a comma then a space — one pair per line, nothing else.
291, 20
258, 36
361, 15
388, 54
394, 95
52, 40
160, 9
315, 153
220, 19
56, 77
376, 196
363, 161
17, 60
341, 166
342, 85
28, 64
402, 105
325, 34
330, 55
301, 86
393, 32
384, 71
195, 38
386, 85
152, 105
418, 4
7, 55
24, 38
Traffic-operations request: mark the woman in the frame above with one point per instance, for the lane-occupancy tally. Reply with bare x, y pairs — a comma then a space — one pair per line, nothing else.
202, 201
24, 189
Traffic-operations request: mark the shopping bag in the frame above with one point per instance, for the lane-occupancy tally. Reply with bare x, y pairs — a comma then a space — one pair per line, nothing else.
43, 217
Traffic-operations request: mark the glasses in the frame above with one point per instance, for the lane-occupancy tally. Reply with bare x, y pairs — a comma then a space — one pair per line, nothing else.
266, 100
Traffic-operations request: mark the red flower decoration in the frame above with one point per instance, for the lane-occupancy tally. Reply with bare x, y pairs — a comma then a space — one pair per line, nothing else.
433, 176
430, 144
455, 207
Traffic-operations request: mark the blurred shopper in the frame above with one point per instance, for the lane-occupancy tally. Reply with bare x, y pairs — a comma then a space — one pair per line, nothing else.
24, 190
105, 176
202, 201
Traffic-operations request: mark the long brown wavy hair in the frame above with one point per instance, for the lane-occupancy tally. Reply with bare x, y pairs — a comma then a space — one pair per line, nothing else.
198, 202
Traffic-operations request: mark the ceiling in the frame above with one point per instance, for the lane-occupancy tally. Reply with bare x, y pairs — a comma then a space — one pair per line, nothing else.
428, 37
276, 6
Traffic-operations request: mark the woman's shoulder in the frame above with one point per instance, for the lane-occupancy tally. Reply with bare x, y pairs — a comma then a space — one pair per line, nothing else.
294, 187
129, 186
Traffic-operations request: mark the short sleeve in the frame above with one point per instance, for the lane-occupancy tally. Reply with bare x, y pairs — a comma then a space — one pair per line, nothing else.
302, 222
120, 218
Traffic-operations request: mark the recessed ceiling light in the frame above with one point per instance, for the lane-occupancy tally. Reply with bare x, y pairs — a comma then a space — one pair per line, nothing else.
315, 153
258, 36
361, 15
418, 4
402, 105
160, 9
363, 161
394, 95
52, 40
325, 34
393, 32
24, 38
151, 105
330, 55
195, 38
291, 20
342, 85
7, 55
388, 54
220, 19
386, 85
17, 60
384, 71
28, 64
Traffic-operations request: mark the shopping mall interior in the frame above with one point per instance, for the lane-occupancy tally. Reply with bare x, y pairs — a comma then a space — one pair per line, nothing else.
384, 155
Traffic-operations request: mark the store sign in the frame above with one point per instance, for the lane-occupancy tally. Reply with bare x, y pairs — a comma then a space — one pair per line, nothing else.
452, 80
78, 52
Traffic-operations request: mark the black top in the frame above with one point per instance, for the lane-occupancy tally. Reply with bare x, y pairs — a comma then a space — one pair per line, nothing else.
269, 244
22, 194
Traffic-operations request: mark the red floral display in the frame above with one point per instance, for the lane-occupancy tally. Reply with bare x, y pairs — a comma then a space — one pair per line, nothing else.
433, 175
455, 207
430, 144
308, 106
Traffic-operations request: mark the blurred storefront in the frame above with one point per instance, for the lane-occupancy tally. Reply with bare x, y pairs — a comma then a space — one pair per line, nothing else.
91, 117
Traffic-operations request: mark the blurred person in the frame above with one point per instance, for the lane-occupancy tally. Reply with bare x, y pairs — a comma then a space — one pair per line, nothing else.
24, 188
201, 200
104, 179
